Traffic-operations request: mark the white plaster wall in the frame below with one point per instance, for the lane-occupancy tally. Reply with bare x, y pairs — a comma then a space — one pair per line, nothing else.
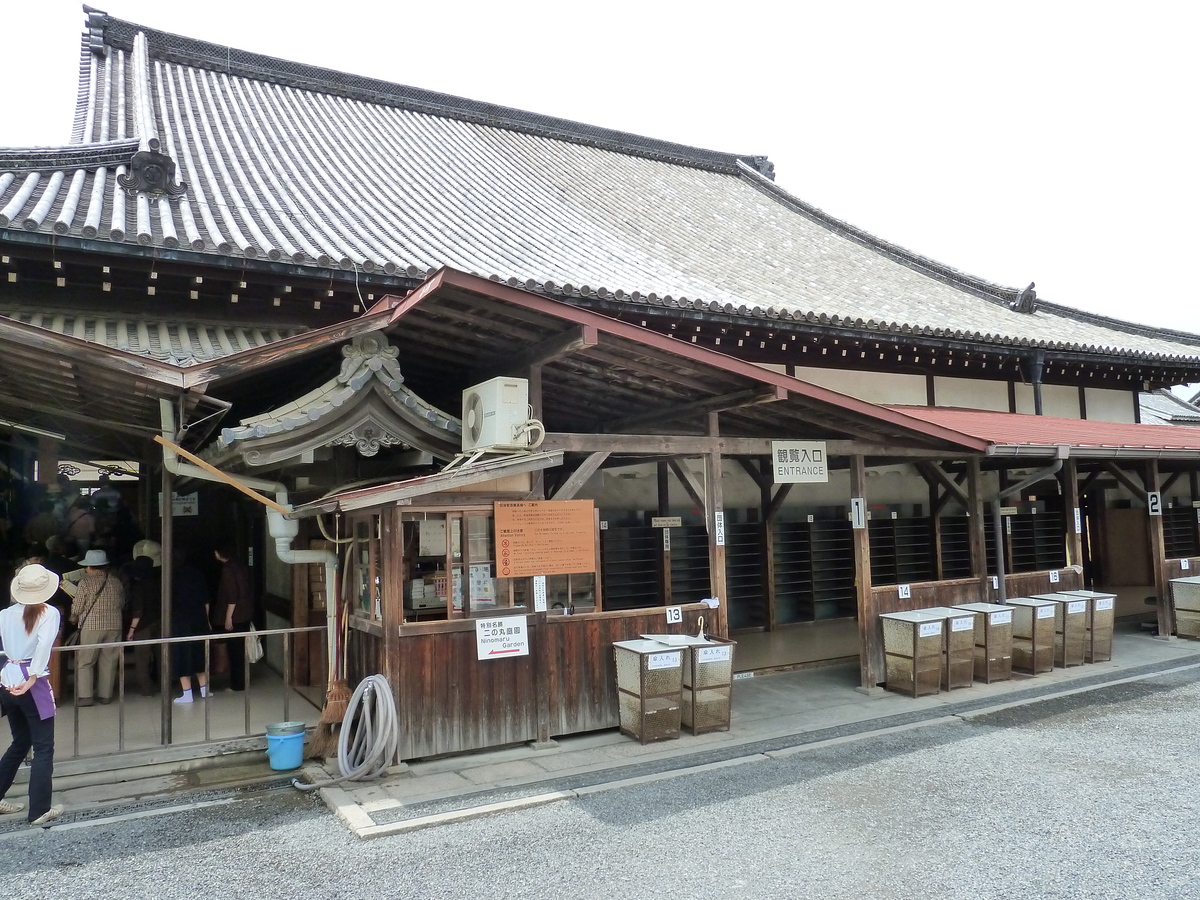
877, 387
1060, 400
1057, 400
1025, 399
622, 493
1109, 406
970, 393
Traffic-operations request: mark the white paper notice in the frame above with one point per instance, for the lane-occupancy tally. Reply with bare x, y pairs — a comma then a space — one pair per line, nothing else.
1002, 618
714, 654
966, 623
1045, 612
1077, 606
671, 660
1104, 603
929, 629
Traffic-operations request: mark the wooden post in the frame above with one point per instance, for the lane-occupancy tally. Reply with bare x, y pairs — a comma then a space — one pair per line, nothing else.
541, 678
1070, 483
975, 526
870, 641
1194, 494
165, 682
664, 509
537, 479
935, 531
714, 508
392, 588
765, 482
1154, 525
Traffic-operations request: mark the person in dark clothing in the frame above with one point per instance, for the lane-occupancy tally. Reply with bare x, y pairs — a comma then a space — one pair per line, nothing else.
144, 608
234, 610
189, 616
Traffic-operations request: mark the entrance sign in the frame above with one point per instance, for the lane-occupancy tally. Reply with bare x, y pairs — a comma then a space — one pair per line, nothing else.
799, 462
719, 517
545, 537
503, 636
1078, 522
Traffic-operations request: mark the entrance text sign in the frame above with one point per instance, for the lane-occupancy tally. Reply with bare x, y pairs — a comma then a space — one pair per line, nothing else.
500, 637
799, 462
666, 521
545, 537
719, 519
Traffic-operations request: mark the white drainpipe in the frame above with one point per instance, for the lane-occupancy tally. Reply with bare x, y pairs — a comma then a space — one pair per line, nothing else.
282, 530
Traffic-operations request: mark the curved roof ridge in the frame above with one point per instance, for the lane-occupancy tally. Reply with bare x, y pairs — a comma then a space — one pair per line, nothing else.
68, 156
120, 34
980, 286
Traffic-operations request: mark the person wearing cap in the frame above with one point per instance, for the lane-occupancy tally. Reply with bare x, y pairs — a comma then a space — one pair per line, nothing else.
99, 600
27, 632
144, 593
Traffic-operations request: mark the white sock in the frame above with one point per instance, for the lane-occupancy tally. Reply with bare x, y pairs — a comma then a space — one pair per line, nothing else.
186, 698
204, 690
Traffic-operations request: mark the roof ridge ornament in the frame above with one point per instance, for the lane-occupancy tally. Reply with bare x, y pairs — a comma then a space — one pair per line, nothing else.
97, 21
1026, 300
367, 355
152, 172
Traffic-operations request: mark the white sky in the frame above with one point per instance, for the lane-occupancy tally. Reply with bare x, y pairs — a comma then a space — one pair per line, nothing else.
1052, 142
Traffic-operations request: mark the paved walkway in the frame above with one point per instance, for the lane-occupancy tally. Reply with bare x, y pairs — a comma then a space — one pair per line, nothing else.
772, 715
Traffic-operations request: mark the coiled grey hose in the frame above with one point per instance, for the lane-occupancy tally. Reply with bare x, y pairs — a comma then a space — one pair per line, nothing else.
366, 747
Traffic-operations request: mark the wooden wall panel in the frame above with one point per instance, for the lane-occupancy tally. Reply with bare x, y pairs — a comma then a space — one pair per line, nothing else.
966, 590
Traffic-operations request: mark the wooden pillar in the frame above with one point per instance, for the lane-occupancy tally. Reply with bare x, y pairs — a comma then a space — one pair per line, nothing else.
765, 483
1158, 554
978, 541
870, 639
537, 482
392, 600
1194, 494
935, 530
1074, 524
662, 473
165, 682
714, 508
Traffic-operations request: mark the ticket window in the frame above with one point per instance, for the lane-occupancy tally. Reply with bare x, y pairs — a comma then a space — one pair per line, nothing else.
450, 566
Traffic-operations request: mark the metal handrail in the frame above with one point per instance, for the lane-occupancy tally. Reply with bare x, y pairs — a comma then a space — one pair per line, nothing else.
208, 639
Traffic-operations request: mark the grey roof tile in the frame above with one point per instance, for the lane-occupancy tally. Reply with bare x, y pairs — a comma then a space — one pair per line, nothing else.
283, 161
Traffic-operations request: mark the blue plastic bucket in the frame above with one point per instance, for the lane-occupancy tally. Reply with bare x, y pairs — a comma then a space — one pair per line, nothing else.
286, 751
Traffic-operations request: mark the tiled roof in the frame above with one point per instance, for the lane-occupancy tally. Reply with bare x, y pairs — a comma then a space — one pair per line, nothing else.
175, 342
286, 162
1164, 408
1086, 437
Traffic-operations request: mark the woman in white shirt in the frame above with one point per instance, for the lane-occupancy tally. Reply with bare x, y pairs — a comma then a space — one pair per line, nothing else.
27, 632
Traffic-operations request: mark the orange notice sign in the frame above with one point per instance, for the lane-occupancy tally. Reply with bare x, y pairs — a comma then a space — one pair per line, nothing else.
545, 537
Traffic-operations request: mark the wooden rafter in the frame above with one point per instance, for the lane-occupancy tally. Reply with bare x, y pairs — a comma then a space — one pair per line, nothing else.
738, 399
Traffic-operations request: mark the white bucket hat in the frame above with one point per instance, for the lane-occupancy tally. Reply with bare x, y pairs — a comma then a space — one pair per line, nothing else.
34, 584
151, 549
94, 559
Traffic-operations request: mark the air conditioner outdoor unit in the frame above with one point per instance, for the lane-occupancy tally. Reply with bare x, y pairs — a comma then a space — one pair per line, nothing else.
492, 413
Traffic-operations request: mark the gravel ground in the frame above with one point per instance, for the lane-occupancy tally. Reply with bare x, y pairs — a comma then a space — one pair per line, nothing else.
1091, 796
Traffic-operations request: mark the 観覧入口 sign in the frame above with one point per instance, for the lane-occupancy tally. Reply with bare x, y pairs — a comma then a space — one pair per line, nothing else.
799, 462
501, 636
545, 537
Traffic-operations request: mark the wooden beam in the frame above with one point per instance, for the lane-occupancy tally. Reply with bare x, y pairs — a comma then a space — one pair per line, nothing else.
1137, 490
772, 508
761, 477
695, 445
580, 337
705, 406
1170, 481
934, 473
222, 476
579, 477
870, 641
694, 489
662, 480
